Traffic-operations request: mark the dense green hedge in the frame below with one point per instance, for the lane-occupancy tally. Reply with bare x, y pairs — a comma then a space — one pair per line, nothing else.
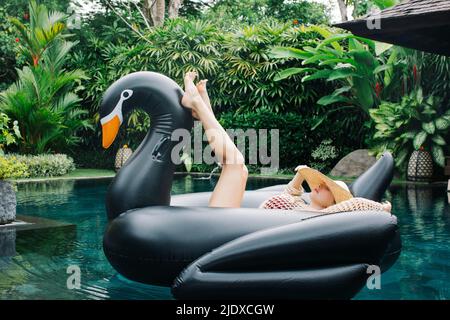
29, 166
298, 144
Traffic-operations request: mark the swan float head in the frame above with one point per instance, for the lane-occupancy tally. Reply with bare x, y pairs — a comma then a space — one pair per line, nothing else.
146, 177
112, 119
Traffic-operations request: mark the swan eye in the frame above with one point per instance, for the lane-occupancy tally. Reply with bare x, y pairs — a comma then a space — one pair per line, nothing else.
126, 94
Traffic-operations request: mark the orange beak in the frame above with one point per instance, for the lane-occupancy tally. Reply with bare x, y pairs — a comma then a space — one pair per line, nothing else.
109, 131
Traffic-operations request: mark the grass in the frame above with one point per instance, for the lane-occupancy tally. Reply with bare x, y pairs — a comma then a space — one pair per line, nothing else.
90, 173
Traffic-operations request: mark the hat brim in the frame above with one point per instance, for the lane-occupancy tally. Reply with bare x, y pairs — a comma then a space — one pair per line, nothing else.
314, 178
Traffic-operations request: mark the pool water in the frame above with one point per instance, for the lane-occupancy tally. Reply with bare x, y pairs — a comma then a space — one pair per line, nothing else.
37, 263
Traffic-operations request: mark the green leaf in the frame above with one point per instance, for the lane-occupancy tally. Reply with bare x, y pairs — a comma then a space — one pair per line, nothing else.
381, 47
442, 124
429, 127
364, 93
334, 39
326, 34
290, 72
341, 73
316, 58
321, 74
438, 155
288, 52
382, 68
439, 140
341, 90
10, 139
419, 139
366, 61
336, 61
383, 4
401, 156
419, 95
332, 99
354, 44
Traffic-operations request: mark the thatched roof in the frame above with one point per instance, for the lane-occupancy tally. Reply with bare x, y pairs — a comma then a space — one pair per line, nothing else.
417, 24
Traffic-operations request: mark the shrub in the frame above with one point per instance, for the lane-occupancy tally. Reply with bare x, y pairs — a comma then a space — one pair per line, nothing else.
44, 165
8, 133
247, 80
296, 140
324, 155
417, 122
11, 168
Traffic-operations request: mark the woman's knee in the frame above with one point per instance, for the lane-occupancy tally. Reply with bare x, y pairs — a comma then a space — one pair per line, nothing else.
239, 170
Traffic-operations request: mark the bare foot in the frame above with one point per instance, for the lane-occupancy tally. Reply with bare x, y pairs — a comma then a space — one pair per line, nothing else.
191, 97
201, 87
387, 206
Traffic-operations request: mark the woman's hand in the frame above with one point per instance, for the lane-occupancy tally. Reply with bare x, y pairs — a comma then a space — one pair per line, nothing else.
387, 206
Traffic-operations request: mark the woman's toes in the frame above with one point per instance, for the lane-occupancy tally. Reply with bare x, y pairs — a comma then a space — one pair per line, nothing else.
191, 75
189, 78
201, 86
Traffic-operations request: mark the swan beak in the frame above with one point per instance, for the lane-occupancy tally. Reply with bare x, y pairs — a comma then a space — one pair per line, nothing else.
109, 131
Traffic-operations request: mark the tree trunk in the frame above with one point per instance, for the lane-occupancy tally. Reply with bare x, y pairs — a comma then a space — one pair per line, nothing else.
147, 11
157, 12
174, 7
343, 10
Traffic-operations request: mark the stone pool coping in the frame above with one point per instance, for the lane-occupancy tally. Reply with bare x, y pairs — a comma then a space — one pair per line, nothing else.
26, 222
201, 174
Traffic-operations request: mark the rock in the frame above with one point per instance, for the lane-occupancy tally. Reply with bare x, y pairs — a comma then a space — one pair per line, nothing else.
8, 202
353, 164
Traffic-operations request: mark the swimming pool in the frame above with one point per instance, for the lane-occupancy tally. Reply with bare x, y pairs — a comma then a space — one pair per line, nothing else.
38, 269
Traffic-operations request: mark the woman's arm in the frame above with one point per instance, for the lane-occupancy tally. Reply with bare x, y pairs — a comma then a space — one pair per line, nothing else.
355, 204
294, 187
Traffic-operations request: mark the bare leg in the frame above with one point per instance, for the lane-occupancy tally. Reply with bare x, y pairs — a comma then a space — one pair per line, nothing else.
201, 87
230, 188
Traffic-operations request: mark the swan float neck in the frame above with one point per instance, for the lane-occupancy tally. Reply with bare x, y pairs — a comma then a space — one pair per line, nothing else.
146, 178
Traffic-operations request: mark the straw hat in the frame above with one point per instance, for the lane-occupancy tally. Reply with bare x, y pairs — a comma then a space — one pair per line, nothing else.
314, 178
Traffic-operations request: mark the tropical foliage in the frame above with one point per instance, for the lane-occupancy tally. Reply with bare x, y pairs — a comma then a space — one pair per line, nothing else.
43, 28
236, 12
297, 142
42, 100
268, 65
352, 66
417, 122
8, 133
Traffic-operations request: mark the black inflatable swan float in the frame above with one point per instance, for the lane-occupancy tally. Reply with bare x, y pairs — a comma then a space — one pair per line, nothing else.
213, 253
